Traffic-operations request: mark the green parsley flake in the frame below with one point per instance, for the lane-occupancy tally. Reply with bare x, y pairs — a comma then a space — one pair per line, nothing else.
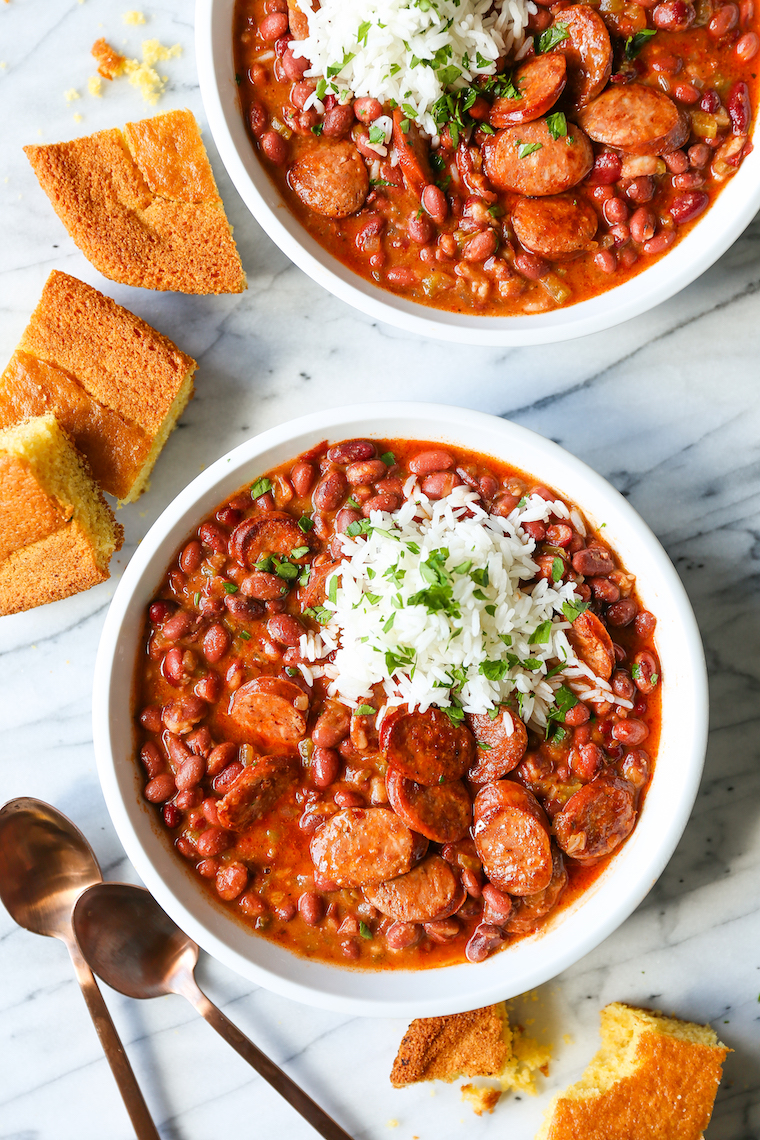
549, 39
573, 610
366, 710
557, 124
525, 149
305, 523
260, 487
230, 588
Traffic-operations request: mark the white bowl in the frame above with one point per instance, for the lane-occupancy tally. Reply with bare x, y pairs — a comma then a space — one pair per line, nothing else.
579, 927
736, 206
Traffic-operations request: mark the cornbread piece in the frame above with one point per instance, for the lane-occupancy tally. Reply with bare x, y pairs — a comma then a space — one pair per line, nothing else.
115, 384
110, 61
655, 1078
143, 206
57, 533
474, 1044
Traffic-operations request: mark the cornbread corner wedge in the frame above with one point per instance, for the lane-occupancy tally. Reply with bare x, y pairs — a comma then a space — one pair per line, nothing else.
479, 1043
654, 1078
142, 205
115, 384
57, 533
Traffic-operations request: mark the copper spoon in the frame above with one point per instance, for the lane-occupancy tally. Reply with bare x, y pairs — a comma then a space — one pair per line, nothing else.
135, 948
45, 863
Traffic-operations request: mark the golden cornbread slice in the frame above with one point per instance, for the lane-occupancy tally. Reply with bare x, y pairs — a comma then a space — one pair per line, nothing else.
57, 533
115, 384
143, 206
654, 1078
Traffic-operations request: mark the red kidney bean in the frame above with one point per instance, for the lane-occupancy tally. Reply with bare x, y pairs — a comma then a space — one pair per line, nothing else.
640, 189
325, 766
187, 800
559, 534
605, 260
498, 904
428, 462
332, 726
441, 484
150, 718
746, 12
264, 586
159, 611
337, 121
212, 537
420, 229
274, 147
531, 266
710, 101
273, 26
343, 520
504, 505
645, 623
536, 530
207, 868
242, 608
622, 612
191, 557
480, 247
311, 907
685, 207
224, 781
593, 563
615, 211
177, 626
471, 883
660, 242
487, 486
699, 155
275, 6
350, 950
673, 16
747, 47
211, 607
366, 471
216, 642
231, 880
671, 64
402, 277
630, 732
724, 20
351, 451
209, 688
301, 92
686, 93
181, 715
434, 202
190, 774
622, 685
689, 181
645, 671
252, 904
636, 767
401, 935
213, 841
208, 808
172, 816
676, 162
442, 929
295, 67
606, 169
628, 256
739, 107
285, 629
383, 501
151, 759
160, 789
586, 761
604, 590
330, 491
177, 750
485, 938
178, 666
367, 109
301, 122
577, 715
257, 117
281, 45
345, 798
302, 477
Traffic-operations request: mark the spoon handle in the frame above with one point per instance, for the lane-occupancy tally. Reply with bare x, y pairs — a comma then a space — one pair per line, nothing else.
266, 1068
135, 1105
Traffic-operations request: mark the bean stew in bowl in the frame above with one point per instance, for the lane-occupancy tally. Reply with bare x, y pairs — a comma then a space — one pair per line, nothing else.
497, 160
397, 705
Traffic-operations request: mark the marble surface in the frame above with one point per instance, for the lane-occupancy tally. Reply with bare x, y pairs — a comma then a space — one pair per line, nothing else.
667, 407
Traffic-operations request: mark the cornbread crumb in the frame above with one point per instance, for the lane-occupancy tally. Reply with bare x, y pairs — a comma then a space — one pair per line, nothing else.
115, 384
154, 52
143, 206
57, 533
95, 86
654, 1078
133, 17
71, 95
391, 1124
483, 1098
110, 62
77, 117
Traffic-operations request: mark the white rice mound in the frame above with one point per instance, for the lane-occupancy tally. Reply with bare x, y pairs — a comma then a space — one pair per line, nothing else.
408, 52
431, 654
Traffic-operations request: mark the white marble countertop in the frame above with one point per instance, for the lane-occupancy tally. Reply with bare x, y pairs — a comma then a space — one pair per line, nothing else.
667, 407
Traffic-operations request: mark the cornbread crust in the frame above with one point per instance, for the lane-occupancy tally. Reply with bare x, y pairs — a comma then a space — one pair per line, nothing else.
478, 1043
115, 384
655, 1078
143, 205
110, 61
57, 533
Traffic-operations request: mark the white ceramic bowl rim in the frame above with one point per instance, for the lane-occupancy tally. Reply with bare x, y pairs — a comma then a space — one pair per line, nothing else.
711, 237
581, 926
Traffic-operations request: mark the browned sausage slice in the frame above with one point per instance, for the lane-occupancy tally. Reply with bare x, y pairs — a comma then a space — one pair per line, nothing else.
593, 644
511, 836
558, 227
331, 179
588, 52
273, 532
412, 153
496, 751
426, 747
362, 846
442, 813
528, 911
636, 119
540, 82
255, 791
529, 160
271, 712
596, 819
429, 891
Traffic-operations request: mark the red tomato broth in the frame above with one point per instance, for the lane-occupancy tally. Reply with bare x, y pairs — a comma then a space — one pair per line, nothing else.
280, 898
472, 261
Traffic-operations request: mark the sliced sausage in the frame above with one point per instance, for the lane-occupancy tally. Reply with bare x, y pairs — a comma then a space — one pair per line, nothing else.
540, 82
502, 752
558, 227
331, 179
511, 836
254, 793
442, 813
596, 819
529, 160
429, 891
636, 119
426, 747
272, 532
528, 911
314, 592
362, 846
412, 153
271, 712
593, 644
588, 52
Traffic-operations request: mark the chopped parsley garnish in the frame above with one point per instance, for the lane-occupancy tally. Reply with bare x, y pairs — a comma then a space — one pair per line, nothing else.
573, 610
285, 569
230, 588
455, 715
541, 634
361, 35
245, 635
260, 487
332, 589
364, 930
317, 129
366, 710
358, 526
319, 613
634, 44
388, 458
636, 671
299, 551
291, 672
564, 700
558, 569
557, 124
305, 524
551, 37
336, 68
483, 746
495, 670
352, 503
376, 135
197, 599
524, 149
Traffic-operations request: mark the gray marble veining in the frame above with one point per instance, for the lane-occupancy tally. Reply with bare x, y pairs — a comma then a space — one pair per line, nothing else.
667, 407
